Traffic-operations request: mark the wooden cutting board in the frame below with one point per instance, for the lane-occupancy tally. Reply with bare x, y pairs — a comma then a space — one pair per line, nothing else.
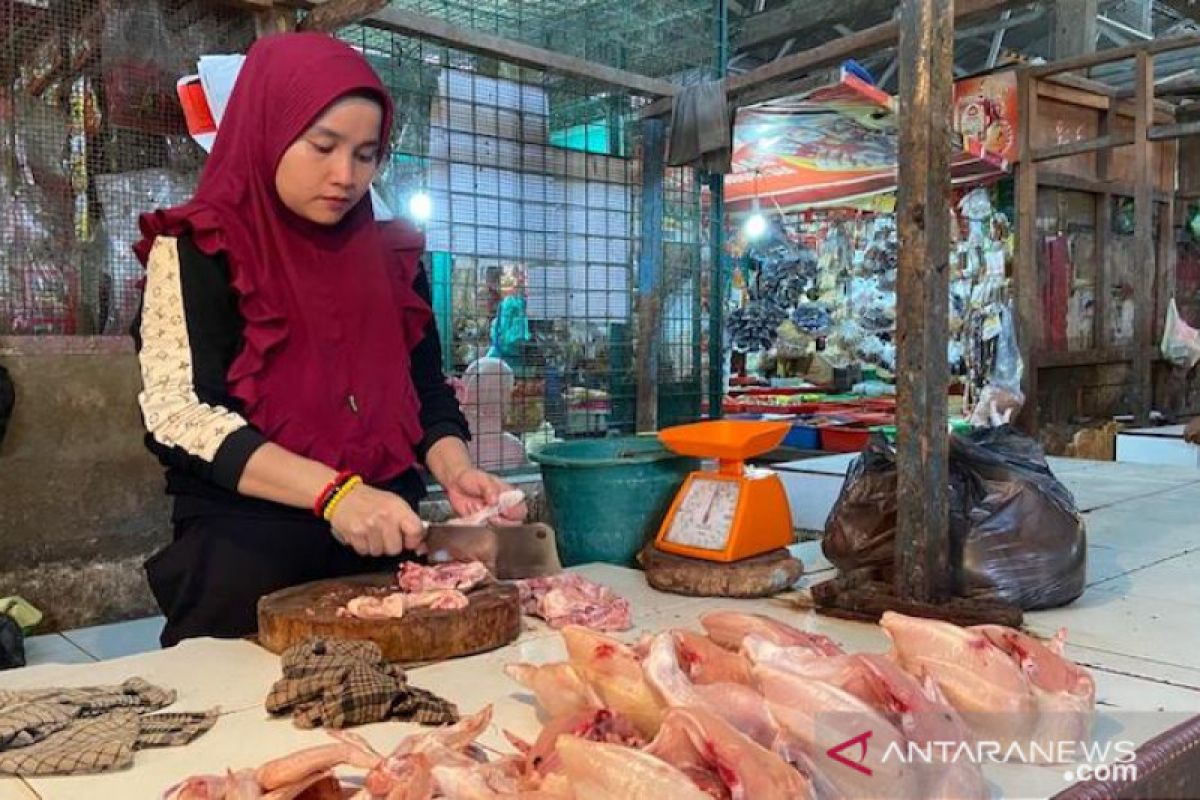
761, 576
492, 620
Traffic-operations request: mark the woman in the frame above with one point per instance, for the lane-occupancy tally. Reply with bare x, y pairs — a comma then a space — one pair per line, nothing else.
290, 364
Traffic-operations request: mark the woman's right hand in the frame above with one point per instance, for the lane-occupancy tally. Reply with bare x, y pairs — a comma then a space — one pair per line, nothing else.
377, 523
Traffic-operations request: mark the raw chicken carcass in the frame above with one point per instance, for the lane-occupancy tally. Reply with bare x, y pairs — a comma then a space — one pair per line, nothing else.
461, 575
820, 719
1065, 693
699, 741
559, 689
979, 679
737, 704
844, 671
599, 771
614, 673
705, 661
571, 599
730, 628
595, 725
925, 718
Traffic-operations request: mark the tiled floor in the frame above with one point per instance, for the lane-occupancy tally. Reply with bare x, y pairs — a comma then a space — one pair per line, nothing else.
119, 639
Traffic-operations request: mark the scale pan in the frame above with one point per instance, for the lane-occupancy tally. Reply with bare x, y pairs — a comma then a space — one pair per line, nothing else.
727, 439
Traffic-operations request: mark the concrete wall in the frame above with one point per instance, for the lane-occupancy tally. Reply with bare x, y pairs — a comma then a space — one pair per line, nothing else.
81, 499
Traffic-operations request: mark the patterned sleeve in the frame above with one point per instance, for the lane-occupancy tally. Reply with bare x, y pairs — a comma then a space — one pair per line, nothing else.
188, 333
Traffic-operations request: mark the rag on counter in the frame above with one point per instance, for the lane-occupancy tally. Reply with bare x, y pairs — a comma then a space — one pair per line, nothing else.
78, 731
338, 683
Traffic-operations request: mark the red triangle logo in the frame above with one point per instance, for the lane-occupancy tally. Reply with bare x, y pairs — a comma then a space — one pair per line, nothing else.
835, 753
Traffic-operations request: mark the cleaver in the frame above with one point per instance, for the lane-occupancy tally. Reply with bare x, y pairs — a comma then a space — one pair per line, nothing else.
511, 552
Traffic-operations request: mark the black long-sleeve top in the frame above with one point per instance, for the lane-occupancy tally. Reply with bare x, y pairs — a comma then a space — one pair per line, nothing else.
188, 332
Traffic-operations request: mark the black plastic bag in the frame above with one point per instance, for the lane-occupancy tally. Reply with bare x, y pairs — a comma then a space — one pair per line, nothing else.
12, 643
1015, 532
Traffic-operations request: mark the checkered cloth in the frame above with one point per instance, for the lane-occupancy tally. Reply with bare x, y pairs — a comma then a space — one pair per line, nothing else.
338, 683
77, 731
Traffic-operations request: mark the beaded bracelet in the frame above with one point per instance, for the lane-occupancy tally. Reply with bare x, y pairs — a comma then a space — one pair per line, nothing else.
327, 493
339, 495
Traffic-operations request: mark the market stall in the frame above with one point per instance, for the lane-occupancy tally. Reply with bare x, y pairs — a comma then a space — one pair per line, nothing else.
811, 298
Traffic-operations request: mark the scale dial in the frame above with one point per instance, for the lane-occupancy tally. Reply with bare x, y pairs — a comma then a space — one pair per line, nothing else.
704, 518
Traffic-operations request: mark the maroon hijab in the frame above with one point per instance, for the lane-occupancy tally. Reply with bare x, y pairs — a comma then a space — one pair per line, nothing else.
329, 322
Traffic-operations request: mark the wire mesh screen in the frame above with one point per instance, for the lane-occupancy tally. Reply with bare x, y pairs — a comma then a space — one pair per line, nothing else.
528, 185
90, 135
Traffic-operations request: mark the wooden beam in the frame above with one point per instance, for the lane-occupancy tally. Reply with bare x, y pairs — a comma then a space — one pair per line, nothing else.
334, 14
1079, 183
1143, 214
1106, 142
423, 26
1093, 94
1085, 358
799, 16
1161, 133
1026, 273
1116, 54
926, 57
830, 53
650, 262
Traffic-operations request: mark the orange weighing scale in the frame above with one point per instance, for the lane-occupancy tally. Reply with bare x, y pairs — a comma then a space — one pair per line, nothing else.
735, 512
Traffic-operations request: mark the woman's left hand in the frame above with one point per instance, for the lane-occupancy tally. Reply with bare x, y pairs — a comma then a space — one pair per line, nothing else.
473, 490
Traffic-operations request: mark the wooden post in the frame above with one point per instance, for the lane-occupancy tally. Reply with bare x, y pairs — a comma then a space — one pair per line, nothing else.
926, 80
716, 297
276, 19
1104, 209
1143, 232
1074, 28
654, 140
1025, 277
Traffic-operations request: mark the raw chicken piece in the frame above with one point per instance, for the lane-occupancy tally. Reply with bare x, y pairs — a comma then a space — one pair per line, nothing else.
1065, 693
843, 671
729, 628
976, 677
705, 661
599, 771
461, 575
571, 599
595, 725
696, 738
924, 716
559, 689
738, 705
507, 500
438, 599
821, 718
614, 673
391, 606
394, 605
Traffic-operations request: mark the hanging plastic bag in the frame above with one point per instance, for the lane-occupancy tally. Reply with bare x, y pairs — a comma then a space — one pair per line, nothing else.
1001, 399
1180, 341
